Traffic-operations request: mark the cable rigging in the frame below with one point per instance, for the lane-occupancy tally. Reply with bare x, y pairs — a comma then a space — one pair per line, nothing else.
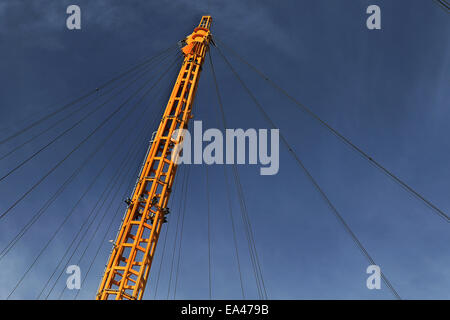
99, 246
112, 219
262, 292
94, 212
180, 213
165, 239
121, 122
310, 177
227, 185
443, 4
371, 160
87, 94
110, 183
109, 159
181, 235
74, 112
108, 229
121, 174
76, 124
107, 209
75, 149
122, 182
209, 230
53, 197
139, 234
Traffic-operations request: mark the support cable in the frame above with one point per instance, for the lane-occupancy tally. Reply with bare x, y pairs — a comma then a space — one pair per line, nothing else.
39, 255
102, 143
88, 221
76, 124
153, 126
167, 229
164, 243
109, 159
209, 231
77, 147
148, 133
181, 235
247, 225
99, 223
108, 229
87, 94
94, 213
43, 209
310, 177
110, 183
72, 113
183, 194
227, 185
249, 234
443, 5
342, 138
233, 228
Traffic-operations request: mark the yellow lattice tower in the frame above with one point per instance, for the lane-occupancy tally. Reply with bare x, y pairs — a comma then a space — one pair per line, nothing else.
129, 264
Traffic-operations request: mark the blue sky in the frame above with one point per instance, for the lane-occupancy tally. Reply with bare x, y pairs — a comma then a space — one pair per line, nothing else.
386, 90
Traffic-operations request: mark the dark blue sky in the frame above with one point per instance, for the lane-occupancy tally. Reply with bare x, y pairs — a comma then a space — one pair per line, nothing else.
386, 90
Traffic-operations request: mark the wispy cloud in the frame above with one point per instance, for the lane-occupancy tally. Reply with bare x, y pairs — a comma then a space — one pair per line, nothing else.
238, 18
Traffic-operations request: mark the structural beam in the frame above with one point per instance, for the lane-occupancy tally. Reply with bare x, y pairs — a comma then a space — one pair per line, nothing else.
129, 264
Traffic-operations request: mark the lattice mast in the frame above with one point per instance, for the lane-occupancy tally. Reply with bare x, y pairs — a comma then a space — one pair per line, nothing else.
129, 264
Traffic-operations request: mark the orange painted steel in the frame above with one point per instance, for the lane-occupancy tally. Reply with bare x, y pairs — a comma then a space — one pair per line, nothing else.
129, 264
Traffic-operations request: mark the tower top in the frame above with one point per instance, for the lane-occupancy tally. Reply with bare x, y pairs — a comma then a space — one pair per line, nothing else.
205, 22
